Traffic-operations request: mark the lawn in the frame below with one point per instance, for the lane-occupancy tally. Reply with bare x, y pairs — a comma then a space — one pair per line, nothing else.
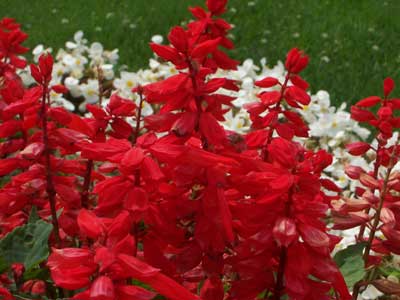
353, 45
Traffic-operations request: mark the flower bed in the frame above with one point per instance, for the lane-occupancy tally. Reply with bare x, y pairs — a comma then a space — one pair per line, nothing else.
197, 178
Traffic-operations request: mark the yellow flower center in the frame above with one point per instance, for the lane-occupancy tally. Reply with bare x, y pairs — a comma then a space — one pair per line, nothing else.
130, 84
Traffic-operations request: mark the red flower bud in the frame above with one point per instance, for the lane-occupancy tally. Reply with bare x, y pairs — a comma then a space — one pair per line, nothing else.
17, 269
358, 148
267, 82
388, 86
353, 172
38, 287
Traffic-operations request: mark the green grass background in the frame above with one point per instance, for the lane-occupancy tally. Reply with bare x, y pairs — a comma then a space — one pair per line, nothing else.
361, 38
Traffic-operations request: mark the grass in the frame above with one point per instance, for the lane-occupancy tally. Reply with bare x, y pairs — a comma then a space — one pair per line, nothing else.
353, 45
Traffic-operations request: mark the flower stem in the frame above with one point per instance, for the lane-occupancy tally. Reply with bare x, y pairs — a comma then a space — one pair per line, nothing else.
86, 184
138, 117
375, 175
137, 171
280, 275
51, 193
264, 153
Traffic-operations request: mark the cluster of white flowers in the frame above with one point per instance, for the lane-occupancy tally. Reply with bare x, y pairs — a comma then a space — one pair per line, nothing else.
78, 65
331, 128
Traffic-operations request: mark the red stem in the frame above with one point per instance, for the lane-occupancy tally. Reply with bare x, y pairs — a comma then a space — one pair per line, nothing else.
86, 184
264, 153
375, 175
89, 163
50, 186
137, 171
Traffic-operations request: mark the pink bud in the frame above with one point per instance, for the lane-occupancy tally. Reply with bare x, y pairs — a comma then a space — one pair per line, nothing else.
284, 231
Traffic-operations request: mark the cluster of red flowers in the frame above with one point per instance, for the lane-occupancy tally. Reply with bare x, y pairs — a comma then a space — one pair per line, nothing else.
375, 206
173, 204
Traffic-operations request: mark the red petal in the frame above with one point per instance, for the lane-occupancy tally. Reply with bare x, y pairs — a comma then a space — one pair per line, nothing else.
166, 52
368, 102
102, 289
267, 82
178, 39
89, 224
313, 236
203, 49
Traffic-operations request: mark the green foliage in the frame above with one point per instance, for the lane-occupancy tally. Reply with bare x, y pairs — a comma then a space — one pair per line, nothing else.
351, 263
27, 244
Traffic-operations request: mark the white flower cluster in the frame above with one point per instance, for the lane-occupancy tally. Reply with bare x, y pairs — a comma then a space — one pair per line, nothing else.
331, 128
78, 65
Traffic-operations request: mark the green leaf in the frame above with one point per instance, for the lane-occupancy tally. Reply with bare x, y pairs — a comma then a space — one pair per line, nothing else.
351, 264
33, 215
27, 244
3, 265
36, 273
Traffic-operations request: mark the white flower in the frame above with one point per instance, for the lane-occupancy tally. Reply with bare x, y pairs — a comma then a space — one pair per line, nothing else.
238, 122
111, 56
157, 39
154, 64
90, 91
126, 83
72, 84
59, 100
370, 293
75, 62
96, 51
38, 51
59, 70
78, 44
108, 71
147, 109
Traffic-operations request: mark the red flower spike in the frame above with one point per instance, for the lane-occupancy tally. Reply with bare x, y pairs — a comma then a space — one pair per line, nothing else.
296, 61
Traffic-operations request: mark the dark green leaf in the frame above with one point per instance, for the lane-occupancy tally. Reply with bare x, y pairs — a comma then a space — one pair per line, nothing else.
3, 265
27, 244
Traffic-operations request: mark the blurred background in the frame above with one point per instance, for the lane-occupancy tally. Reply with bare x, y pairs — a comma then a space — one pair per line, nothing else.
353, 44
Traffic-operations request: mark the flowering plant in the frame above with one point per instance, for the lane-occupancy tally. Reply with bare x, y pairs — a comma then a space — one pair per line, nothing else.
122, 204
